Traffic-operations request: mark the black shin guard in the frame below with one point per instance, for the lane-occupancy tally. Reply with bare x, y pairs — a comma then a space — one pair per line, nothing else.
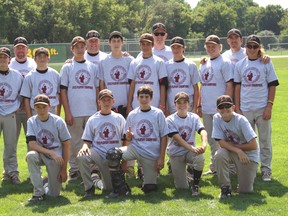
147, 188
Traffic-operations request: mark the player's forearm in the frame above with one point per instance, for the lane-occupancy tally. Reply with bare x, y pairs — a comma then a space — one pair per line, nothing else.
33, 146
162, 95
163, 146
237, 96
101, 85
131, 93
229, 88
195, 96
65, 153
181, 142
229, 146
251, 145
204, 138
27, 107
64, 99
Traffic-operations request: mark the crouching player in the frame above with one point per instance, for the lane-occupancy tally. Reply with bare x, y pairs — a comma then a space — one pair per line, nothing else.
49, 141
103, 131
146, 133
183, 126
238, 144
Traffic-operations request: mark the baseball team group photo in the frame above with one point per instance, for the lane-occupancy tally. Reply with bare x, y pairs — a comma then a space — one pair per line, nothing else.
156, 132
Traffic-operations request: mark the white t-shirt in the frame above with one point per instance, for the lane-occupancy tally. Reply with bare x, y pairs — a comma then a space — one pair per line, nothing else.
238, 130
165, 54
104, 131
95, 58
114, 71
254, 77
10, 86
235, 57
214, 75
186, 128
24, 67
81, 80
182, 76
147, 72
47, 83
148, 127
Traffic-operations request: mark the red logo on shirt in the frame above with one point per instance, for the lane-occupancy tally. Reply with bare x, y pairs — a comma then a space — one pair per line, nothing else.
144, 128
144, 72
118, 73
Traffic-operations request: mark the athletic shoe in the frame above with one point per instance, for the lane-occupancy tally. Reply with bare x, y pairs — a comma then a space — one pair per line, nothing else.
210, 172
195, 190
266, 176
15, 179
37, 198
114, 195
225, 192
5, 177
130, 172
73, 177
45, 184
90, 192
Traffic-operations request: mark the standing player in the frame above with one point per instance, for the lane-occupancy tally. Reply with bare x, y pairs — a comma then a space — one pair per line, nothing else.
160, 49
182, 149
103, 131
49, 141
10, 85
22, 63
255, 88
146, 134
147, 69
113, 73
79, 90
93, 52
216, 79
238, 145
42, 80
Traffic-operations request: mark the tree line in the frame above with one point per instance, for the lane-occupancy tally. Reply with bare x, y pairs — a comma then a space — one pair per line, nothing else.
57, 21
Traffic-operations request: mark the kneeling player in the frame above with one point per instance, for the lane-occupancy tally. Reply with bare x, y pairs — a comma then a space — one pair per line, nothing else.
146, 134
183, 126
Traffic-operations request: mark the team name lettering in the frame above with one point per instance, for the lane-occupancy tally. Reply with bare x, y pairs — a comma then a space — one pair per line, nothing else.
107, 142
82, 87
142, 82
147, 139
208, 84
179, 86
252, 85
117, 83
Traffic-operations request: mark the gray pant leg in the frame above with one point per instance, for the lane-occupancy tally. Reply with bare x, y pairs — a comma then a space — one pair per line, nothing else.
178, 166
222, 159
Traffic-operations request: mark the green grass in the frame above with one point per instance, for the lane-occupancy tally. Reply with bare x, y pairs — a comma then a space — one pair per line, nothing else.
270, 198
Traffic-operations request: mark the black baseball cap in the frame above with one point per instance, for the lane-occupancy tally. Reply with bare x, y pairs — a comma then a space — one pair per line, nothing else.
105, 93
41, 50
77, 39
213, 39
234, 31
92, 34
42, 99
147, 37
157, 26
115, 34
253, 39
177, 41
5, 51
224, 99
20, 41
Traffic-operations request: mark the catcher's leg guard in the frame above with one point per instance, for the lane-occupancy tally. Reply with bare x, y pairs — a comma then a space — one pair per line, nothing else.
147, 188
119, 184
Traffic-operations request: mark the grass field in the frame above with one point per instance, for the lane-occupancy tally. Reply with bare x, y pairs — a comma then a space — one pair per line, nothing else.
270, 198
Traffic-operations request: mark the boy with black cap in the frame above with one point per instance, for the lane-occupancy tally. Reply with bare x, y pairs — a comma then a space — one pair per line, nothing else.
182, 149
255, 89
49, 142
42, 80
79, 91
238, 145
103, 131
11, 82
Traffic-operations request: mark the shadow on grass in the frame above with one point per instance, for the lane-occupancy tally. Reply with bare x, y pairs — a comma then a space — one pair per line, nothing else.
48, 203
7, 188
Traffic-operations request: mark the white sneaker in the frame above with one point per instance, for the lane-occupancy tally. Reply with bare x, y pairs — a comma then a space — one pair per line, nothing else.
266, 176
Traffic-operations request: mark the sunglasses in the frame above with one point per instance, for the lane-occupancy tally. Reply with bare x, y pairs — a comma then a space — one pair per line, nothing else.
226, 106
160, 33
252, 46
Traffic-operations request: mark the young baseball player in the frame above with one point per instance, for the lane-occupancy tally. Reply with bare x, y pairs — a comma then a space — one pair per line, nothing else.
216, 79
146, 133
42, 80
93, 52
10, 85
182, 76
238, 145
147, 69
159, 48
23, 64
255, 88
79, 90
182, 149
113, 73
49, 142
103, 131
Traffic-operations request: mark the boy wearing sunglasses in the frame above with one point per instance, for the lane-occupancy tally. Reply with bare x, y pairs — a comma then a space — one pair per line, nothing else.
237, 140
255, 89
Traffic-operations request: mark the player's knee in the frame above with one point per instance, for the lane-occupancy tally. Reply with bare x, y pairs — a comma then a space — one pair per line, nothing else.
147, 188
114, 156
32, 156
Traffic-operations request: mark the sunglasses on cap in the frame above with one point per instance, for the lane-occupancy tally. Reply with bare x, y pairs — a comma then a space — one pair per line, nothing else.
226, 106
159, 33
249, 46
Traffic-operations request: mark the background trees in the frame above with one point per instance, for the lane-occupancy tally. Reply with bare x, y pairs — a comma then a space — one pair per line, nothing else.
56, 21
